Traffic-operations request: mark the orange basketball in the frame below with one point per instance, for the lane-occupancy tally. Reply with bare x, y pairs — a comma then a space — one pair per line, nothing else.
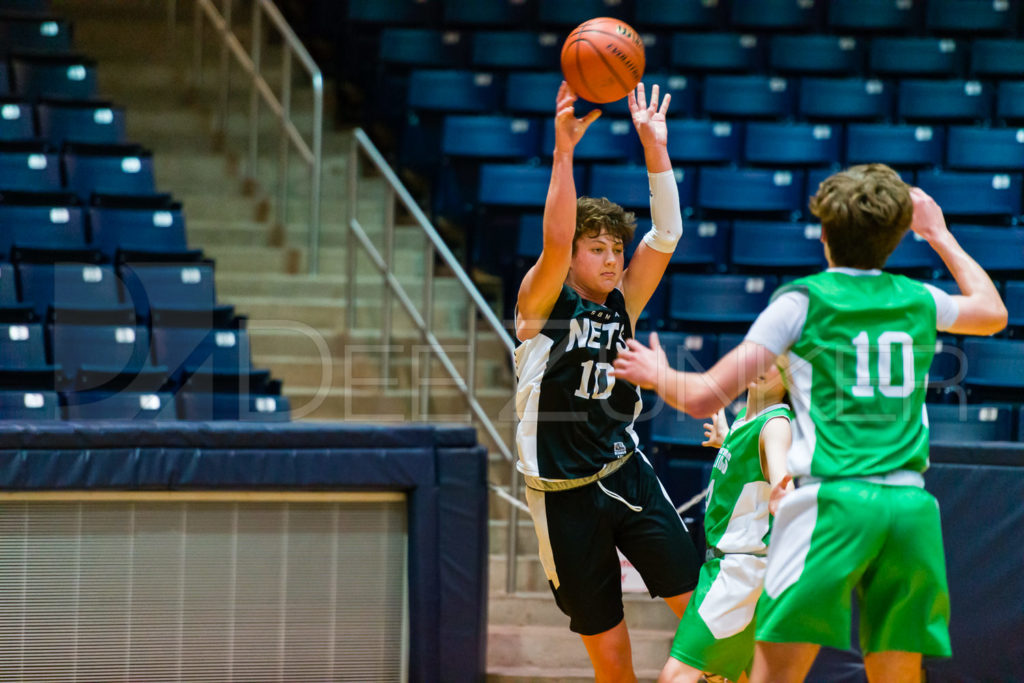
603, 59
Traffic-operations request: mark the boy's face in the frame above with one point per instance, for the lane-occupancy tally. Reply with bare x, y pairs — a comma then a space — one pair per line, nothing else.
768, 387
597, 262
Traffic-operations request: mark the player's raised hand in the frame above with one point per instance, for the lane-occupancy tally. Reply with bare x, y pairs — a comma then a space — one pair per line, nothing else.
649, 121
928, 221
716, 430
568, 128
640, 365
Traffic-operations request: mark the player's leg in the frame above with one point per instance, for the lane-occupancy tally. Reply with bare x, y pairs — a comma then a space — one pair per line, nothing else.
678, 603
675, 671
893, 667
782, 662
611, 655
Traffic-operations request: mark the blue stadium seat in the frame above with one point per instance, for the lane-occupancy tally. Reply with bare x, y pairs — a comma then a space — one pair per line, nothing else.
132, 228
715, 52
968, 16
895, 144
777, 247
974, 194
92, 122
685, 351
1013, 297
491, 136
998, 250
501, 13
569, 13
718, 298
389, 12
29, 167
849, 99
784, 144
685, 101
95, 354
67, 285
29, 405
533, 92
1010, 102
518, 184
914, 255
109, 169
995, 368
607, 139
16, 121
246, 407
746, 189
816, 54
985, 149
57, 76
671, 427
943, 101
9, 302
947, 370
872, 15
449, 90
921, 57
629, 187
422, 48
695, 141
45, 221
120, 405
515, 50
5, 79
704, 243
773, 15
727, 342
970, 424
997, 58
209, 360
675, 14
23, 363
37, 34
174, 286
747, 96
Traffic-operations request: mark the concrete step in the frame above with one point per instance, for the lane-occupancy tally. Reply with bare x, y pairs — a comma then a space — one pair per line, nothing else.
497, 527
541, 646
278, 340
376, 402
325, 285
329, 314
539, 609
544, 674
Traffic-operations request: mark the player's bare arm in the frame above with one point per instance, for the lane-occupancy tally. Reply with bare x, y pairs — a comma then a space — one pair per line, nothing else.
775, 440
981, 308
697, 394
539, 289
652, 256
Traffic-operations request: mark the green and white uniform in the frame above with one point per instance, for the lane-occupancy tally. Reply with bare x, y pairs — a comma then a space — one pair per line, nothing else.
716, 633
859, 345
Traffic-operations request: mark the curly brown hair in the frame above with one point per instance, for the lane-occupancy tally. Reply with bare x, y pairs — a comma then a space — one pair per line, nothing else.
865, 211
596, 215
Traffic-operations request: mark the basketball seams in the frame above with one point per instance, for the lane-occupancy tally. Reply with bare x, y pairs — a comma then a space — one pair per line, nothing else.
616, 63
605, 62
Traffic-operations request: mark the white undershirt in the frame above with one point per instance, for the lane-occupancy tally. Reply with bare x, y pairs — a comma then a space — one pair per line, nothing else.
780, 325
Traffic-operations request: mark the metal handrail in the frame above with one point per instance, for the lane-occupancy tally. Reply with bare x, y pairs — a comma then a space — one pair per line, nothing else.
357, 236
251, 64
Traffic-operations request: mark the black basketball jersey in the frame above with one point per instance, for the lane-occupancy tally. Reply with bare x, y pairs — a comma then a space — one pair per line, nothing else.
574, 418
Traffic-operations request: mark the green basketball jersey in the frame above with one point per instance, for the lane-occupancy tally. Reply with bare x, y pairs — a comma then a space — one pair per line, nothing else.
736, 519
858, 375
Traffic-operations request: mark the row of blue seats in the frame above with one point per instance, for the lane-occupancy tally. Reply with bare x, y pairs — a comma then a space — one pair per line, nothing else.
732, 96
60, 121
34, 32
59, 75
118, 227
83, 169
705, 141
996, 196
896, 16
124, 292
697, 53
778, 247
130, 405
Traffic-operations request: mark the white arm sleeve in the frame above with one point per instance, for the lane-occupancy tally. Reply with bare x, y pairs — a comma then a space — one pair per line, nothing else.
780, 325
946, 308
667, 220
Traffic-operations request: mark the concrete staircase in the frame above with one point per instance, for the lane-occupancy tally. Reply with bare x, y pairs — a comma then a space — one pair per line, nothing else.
297, 322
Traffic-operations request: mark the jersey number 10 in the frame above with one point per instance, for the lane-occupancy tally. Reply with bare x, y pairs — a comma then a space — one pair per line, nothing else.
887, 342
602, 380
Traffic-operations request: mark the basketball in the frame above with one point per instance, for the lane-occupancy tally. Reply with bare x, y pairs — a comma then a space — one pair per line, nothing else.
603, 59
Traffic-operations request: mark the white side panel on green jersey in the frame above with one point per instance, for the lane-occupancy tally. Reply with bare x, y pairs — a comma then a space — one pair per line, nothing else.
729, 605
749, 521
799, 377
531, 359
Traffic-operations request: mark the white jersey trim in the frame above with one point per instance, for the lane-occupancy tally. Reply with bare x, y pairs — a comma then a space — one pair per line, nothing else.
531, 360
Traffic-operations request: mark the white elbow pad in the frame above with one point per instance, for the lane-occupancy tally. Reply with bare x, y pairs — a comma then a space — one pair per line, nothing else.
667, 221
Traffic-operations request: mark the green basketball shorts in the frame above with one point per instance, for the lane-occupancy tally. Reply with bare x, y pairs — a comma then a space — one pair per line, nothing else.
716, 633
883, 540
